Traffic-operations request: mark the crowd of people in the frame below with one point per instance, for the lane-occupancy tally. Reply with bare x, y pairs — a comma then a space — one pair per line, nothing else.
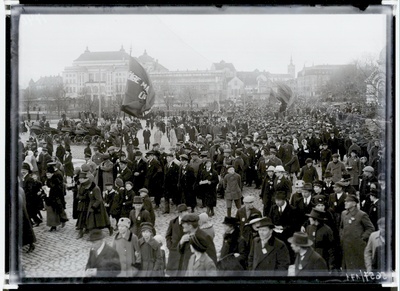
320, 175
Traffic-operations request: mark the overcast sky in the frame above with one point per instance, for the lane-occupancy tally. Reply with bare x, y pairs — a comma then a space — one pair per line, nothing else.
50, 42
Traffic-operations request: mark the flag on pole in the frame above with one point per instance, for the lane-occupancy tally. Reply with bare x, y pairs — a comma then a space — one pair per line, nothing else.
139, 93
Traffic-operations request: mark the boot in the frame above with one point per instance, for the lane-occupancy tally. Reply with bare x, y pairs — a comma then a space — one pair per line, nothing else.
80, 235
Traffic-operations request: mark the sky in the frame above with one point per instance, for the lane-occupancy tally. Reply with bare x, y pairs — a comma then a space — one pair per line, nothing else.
249, 39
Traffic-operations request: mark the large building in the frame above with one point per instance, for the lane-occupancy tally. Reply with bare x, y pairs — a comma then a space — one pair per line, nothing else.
310, 81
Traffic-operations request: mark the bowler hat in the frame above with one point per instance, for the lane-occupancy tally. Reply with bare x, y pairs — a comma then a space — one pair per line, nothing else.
96, 234
50, 169
307, 186
317, 214
182, 207
280, 195
229, 220
301, 239
351, 198
345, 177
265, 221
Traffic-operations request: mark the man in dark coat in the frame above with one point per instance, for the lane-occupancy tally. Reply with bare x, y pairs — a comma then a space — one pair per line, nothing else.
146, 137
154, 178
269, 256
283, 216
170, 187
103, 259
172, 236
244, 213
124, 172
308, 262
186, 182
139, 169
368, 177
267, 190
190, 225
355, 229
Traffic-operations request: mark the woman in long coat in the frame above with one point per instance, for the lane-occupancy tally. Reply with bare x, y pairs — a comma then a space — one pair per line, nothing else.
106, 174
207, 181
82, 197
172, 137
97, 214
54, 189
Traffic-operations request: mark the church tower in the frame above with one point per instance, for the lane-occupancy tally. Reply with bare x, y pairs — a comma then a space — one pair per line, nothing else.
291, 68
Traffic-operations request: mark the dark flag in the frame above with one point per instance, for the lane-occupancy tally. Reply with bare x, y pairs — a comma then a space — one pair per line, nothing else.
285, 96
139, 93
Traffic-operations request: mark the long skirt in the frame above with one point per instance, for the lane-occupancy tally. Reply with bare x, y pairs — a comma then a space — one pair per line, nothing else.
53, 218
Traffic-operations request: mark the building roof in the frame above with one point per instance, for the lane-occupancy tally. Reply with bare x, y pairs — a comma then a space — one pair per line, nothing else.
145, 58
319, 69
223, 65
49, 80
103, 56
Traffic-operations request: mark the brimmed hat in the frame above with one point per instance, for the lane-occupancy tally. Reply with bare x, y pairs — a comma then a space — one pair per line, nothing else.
197, 243
50, 169
138, 154
82, 175
248, 199
254, 220
124, 221
184, 157
266, 221
339, 184
137, 200
280, 195
129, 182
229, 220
271, 168
150, 153
300, 239
96, 234
307, 186
309, 160
119, 182
25, 166
182, 207
335, 155
352, 198
279, 168
317, 214
190, 217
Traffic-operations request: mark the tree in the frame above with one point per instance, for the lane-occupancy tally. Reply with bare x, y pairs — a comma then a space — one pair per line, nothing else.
348, 83
190, 94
